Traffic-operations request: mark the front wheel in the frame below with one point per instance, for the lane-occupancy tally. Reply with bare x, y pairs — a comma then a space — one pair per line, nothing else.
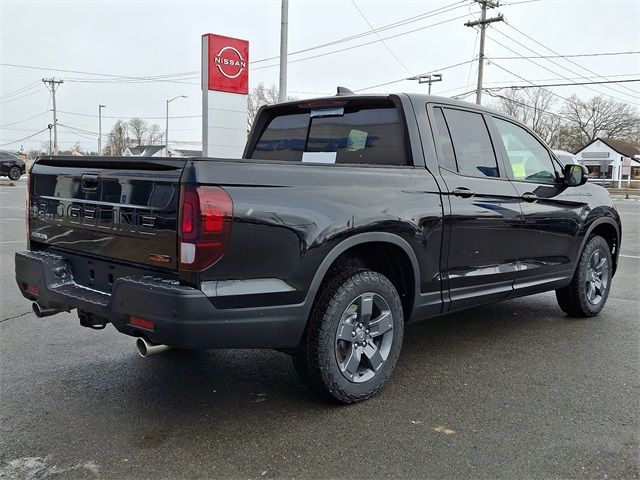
15, 173
353, 338
589, 289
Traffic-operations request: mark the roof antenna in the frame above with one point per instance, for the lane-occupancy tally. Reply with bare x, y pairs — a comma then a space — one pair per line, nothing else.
344, 91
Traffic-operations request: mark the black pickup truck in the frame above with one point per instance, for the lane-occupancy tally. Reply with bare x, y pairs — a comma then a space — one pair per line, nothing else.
346, 218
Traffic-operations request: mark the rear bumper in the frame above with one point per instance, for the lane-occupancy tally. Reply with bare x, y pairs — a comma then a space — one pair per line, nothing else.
182, 316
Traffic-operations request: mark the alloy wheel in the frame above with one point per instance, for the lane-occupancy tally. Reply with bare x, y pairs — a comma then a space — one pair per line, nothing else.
14, 173
364, 337
597, 277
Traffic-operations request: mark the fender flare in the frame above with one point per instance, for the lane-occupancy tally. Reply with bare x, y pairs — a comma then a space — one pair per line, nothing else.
596, 223
359, 239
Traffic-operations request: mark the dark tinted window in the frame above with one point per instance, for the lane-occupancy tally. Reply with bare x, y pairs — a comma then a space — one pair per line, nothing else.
471, 143
349, 135
372, 136
446, 157
284, 138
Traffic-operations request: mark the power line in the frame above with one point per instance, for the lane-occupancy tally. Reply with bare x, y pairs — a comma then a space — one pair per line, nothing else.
565, 84
24, 138
117, 117
404, 78
547, 69
364, 44
20, 90
558, 79
60, 70
554, 114
25, 120
75, 133
173, 77
528, 81
553, 51
563, 67
391, 26
380, 38
20, 97
575, 55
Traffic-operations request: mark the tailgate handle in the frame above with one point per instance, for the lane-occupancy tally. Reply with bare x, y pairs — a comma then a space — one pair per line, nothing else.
90, 181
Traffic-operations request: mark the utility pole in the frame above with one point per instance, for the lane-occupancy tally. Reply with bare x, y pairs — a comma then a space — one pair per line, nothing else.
52, 84
482, 23
429, 78
100, 107
284, 27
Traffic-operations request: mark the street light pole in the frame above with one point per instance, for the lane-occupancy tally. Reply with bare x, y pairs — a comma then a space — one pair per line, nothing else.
166, 130
100, 107
428, 78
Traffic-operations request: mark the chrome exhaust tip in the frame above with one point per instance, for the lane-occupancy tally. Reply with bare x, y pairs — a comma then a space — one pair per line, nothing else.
146, 348
41, 311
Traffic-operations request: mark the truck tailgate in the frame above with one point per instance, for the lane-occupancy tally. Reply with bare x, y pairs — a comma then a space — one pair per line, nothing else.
123, 208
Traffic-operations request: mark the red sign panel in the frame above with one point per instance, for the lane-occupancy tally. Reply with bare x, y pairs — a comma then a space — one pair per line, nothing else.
228, 64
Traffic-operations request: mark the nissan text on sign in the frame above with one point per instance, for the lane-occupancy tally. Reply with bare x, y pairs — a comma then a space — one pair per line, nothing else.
225, 86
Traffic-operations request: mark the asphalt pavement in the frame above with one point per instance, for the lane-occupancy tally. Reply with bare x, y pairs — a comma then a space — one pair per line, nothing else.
510, 390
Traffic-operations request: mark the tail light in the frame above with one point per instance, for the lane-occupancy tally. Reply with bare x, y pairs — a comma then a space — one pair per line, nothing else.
205, 226
27, 209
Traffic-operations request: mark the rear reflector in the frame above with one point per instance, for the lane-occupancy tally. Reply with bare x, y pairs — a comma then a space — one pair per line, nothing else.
33, 289
141, 322
206, 215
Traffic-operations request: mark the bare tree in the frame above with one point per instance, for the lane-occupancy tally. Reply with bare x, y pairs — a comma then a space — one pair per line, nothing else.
119, 138
138, 129
154, 135
534, 108
258, 97
600, 117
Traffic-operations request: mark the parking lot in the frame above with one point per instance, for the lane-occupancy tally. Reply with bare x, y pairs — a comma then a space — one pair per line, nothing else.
510, 390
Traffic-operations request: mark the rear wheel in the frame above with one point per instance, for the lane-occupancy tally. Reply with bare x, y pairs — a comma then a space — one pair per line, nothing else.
353, 338
589, 289
15, 173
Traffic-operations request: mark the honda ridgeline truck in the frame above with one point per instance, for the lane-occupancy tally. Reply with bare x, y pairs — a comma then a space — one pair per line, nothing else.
346, 218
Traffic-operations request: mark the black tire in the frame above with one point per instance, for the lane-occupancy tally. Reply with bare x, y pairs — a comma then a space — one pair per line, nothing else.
339, 313
577, 299
15, 173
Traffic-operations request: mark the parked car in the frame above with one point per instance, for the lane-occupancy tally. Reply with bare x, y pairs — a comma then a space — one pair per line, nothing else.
566, 158
346, 218
11, 165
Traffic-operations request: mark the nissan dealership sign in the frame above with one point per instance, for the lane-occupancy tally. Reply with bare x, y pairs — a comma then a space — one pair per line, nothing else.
225, 86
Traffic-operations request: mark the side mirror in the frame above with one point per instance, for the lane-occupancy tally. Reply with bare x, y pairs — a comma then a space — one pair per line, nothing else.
575, 175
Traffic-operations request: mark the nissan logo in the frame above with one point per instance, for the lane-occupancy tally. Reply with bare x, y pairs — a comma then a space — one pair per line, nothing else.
230, 62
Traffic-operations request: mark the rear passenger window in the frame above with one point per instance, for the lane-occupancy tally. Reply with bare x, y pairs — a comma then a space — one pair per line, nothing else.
471, 143
446, 157
366, 135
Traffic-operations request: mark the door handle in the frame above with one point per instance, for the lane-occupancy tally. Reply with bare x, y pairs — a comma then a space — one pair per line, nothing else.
463, 192
529, 197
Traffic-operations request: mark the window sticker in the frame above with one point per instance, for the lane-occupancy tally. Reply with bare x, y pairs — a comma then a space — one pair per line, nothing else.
319, 157
518, 170
357, 140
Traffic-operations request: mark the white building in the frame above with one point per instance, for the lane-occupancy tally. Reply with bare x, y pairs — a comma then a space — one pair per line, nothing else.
608, 158
144, 151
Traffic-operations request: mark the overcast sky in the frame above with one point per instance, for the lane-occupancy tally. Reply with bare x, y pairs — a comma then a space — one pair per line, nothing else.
152, 38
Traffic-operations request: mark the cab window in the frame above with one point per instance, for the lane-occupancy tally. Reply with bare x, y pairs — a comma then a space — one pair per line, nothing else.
529, 159
472, 145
